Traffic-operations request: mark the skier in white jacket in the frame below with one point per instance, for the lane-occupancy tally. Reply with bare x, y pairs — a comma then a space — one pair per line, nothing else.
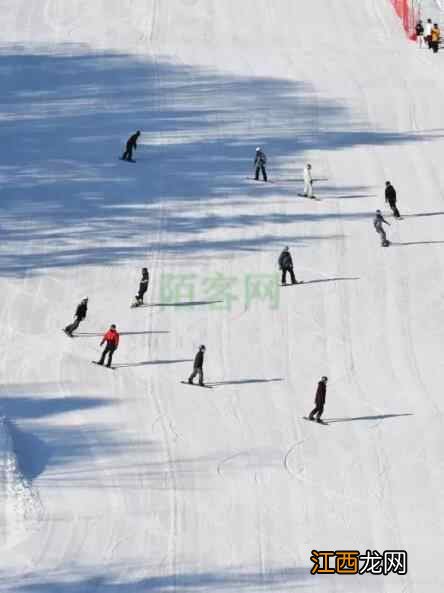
428, 33
308, 181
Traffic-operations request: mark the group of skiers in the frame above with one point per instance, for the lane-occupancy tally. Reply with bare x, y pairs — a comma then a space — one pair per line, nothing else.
428, 35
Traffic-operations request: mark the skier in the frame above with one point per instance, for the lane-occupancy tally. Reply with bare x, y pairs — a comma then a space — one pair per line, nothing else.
435, 38
390, 198
321, 393
260, 160
198, 366
419, 30
143, 287
308, 181
79, 316
428, 33
130, 145
111, 337
377, 223
285, 262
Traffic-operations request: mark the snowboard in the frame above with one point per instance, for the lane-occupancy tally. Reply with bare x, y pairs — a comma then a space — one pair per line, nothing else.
261, 181
312, 197
314, 421
66, 333
385, 244
103, 365
290, 284
196, 385
126, 160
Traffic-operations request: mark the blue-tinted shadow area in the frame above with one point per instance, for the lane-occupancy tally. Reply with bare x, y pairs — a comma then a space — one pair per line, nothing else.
67, 199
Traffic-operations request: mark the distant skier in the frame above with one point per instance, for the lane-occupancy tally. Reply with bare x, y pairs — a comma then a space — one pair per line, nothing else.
377, 223
285, 262
79, 316
260, 160
435, 38
143, 287
428, 33
308, 181
111, 338
198, 366
419, 30
390, 198
131, 145
321, 393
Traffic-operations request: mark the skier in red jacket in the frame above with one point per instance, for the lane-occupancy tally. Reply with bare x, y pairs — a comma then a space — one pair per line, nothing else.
111, 337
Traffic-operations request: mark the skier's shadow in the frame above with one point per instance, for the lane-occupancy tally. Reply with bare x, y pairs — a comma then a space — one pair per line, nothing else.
149, 362
99, 335
184, 304
339, 279
378, 417
243, 381
420, 243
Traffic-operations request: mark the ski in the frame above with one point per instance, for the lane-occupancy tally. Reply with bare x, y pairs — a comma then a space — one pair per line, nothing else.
103, 365
67, 334
196, 384
315, 421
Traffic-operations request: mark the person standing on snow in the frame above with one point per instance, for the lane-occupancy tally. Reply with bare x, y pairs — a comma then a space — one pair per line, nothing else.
286, 265
143, 287
111, 337
131, 145
308, 181
198, 366
435, 38
260, 160
377, 223
79, 316
321, 393
428, 33
390, 198
419, 30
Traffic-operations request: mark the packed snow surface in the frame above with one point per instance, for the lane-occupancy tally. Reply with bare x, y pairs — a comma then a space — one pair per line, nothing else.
129, 481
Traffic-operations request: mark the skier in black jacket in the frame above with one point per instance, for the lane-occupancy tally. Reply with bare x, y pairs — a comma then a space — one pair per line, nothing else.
79, 316
198, 366
390, 198
131, 145
321, 393
286, 265
143, 287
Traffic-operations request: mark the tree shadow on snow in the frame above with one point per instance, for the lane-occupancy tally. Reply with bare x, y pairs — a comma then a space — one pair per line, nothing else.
84, 206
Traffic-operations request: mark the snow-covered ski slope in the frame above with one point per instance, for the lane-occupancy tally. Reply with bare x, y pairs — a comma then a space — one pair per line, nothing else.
129, 481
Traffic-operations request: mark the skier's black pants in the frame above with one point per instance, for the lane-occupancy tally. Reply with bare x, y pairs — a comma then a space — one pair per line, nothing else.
394, 209
197, 371
73, 326
318, 411
128, 154
142, 290
109, 349
284, 275
435, 46
264, 172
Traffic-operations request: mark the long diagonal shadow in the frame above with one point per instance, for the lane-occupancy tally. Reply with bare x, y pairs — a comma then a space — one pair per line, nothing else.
319, 280
99, 335
243, 381
419, 243
184, 304
378, 417
149, 362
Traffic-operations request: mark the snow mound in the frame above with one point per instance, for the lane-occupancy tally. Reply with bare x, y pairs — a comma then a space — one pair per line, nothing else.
21, 509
